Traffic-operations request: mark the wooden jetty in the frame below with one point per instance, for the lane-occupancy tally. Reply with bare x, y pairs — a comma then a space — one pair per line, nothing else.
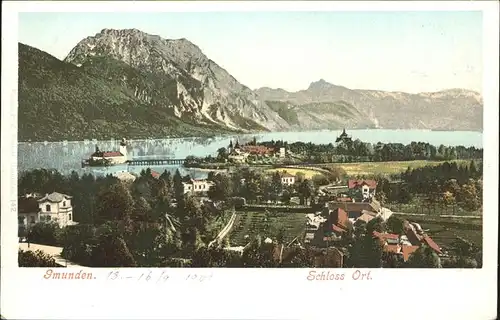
157, 162
139, 162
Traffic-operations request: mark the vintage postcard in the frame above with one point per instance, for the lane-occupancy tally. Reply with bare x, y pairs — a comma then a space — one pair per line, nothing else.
202, 145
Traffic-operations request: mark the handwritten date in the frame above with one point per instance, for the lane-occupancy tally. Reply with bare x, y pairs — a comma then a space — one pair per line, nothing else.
148, 276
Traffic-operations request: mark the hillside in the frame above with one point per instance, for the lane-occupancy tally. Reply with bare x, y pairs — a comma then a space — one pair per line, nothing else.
321, 115
60, 101
127, 83
454, 109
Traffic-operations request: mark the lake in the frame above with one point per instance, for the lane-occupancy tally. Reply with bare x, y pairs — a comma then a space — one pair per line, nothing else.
66, 156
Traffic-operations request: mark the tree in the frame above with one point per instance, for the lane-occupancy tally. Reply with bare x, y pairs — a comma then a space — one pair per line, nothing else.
35, 259
424, 257
305, 191
78, 243
286, 197
276, 186
299, 177
395, 225
366, 252
178, 187
469, 198
112, 251
114, 203
466, 253
142, 209
222, 188
47, 233
222, 154
448, 198
146, 244
376, 224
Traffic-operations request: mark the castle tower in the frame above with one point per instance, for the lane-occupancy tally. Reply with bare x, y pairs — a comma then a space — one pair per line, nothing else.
123, 147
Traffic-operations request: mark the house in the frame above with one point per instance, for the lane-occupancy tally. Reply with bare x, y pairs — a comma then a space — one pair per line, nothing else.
237, 156
339, 218
366, 216
282, 153
114, 157
416, 236
197, 185
407, 251
367, 187
54, 207
257, 150
155, 174
287, 179
429, 242
354, 209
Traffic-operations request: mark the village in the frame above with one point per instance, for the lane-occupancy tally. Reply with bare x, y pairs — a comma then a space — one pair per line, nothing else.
288, 209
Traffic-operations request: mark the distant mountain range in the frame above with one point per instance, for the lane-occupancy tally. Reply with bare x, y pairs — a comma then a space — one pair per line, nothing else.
126, 83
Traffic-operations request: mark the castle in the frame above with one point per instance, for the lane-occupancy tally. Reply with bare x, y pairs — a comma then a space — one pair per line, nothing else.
113, 157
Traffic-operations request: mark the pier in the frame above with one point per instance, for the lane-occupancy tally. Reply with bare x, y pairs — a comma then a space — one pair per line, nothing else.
153, 162
138, 162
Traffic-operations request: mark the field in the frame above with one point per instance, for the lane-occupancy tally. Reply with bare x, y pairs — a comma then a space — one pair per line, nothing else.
253, 223
445, 230
392, 167
308, 173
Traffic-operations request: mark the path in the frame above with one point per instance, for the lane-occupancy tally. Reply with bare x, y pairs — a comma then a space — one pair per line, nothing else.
222, 234
441, 216
55, 252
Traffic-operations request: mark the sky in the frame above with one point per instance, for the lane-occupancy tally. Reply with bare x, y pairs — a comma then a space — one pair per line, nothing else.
395, 51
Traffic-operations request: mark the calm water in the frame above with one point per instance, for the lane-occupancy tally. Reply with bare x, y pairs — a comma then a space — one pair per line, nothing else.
67, 156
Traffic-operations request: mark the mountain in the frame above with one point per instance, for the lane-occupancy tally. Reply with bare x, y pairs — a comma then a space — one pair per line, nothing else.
60, 101
201, 90
127, 83
454, 109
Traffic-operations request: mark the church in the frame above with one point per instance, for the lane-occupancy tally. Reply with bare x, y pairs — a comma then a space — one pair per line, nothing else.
344, 138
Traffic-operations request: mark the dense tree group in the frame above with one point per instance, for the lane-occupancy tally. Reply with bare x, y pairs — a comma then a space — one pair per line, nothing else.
447, 184
356, 150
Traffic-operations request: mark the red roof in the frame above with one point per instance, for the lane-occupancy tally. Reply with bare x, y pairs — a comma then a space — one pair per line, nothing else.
257, 149
109, 154
372, 184
337, 228
155, 174
432, 244
391, 248
407, 251
377, 234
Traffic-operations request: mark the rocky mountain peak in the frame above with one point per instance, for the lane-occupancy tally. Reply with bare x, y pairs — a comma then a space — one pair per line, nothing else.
204, 90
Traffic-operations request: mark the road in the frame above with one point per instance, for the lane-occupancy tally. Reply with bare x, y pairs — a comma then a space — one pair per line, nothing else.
441, 216
55, 252
224, 231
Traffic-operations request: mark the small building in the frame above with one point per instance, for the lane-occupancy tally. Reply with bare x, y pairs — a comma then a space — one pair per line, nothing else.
237, 156
355, 209
113, 157
197, 185
287, 179
257, 150
282, 153
55, 207
343, 139
367, 187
